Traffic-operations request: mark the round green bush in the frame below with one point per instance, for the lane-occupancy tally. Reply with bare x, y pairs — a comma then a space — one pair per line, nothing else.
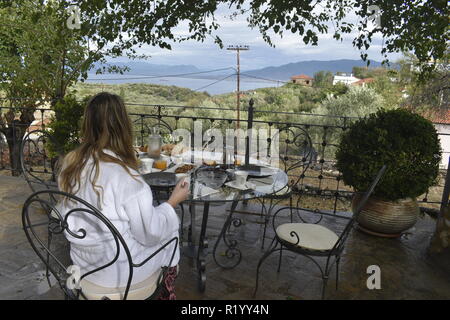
406, 142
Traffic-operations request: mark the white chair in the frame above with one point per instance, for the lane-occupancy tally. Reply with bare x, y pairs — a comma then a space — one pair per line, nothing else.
313, 240
55, 254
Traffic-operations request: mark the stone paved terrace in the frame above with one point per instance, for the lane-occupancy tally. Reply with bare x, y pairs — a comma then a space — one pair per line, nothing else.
407, 272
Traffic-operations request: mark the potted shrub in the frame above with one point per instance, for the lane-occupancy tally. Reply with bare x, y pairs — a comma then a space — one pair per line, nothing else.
408, 144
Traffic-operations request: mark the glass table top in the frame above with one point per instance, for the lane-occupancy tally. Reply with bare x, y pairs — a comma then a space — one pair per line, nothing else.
219, 184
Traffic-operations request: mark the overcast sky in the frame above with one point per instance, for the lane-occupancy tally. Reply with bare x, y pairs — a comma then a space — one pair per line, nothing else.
290, 48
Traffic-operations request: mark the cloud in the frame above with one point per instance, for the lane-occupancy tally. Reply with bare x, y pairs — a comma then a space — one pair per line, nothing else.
289, 48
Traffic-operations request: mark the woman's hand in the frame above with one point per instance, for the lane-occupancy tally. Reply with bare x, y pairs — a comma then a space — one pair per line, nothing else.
179, 193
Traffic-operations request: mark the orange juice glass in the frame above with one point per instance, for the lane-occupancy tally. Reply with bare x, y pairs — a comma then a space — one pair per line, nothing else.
160, 164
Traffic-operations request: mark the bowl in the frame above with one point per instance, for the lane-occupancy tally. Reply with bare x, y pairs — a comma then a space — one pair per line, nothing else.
212, 177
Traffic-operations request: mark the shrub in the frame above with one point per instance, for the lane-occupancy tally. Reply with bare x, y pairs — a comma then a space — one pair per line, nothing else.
406, 142
66, 124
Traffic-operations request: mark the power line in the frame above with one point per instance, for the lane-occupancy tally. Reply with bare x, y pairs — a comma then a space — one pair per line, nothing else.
265, 79
215, 82
162, 76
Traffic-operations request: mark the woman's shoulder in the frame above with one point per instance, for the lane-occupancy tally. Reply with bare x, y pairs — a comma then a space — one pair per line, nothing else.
126, 179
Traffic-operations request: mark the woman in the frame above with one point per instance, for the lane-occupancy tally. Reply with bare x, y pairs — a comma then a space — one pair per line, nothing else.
103, 171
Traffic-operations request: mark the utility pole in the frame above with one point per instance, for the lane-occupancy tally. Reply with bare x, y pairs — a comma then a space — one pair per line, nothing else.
238, 48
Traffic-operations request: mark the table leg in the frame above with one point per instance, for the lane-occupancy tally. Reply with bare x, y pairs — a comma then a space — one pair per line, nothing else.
202, 245
190, 248
231, 253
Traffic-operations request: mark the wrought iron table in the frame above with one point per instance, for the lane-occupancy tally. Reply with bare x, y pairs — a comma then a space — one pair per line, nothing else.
203, 195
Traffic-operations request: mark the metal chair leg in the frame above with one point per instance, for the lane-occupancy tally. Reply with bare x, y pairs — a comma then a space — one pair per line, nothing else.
264, 257
279, 260
47, 270
266, 221
324, 285
337, 271
290, 208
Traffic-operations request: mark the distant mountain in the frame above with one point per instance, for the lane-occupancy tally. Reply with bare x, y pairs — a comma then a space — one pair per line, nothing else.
141, 68
285, 71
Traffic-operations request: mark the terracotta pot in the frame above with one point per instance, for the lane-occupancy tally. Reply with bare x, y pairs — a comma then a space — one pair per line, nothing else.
386, 218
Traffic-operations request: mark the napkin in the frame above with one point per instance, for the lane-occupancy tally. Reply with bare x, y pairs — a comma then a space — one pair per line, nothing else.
201, 190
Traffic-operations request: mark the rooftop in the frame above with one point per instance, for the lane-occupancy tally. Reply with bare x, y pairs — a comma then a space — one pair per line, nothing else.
302, 76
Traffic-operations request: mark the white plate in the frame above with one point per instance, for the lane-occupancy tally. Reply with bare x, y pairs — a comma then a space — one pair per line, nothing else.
146, 171
248, 185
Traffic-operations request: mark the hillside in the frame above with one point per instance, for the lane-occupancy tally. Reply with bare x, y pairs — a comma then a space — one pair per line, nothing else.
284, 72
142, 93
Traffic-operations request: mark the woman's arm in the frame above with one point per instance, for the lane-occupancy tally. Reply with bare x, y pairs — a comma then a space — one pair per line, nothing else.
150, 225
179, 193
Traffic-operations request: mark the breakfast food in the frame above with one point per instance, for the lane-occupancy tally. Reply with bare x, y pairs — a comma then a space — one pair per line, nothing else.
210, 162
167, 148
174, 149
143, 148
184, 168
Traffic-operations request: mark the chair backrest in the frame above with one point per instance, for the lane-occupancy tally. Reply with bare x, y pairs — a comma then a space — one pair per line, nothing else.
344, 235
48, 235
39, 169
296, 151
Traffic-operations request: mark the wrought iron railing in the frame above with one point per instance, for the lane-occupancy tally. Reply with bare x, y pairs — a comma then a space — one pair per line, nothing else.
322, 183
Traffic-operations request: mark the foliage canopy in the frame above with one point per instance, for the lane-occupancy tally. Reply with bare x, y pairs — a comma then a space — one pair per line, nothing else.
404, 25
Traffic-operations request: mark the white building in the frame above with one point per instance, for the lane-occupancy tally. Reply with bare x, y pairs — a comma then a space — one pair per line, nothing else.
345, 79
443, 130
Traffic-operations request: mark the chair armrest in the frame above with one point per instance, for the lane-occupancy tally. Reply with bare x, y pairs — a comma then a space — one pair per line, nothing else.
174, 239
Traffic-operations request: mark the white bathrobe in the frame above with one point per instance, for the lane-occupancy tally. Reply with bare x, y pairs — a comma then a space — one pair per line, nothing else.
128, 204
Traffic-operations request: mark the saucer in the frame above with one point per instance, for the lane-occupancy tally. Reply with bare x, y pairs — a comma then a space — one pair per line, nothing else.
142, 171
248, 185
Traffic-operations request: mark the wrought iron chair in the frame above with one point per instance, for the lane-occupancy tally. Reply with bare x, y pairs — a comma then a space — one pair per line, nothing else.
39, 169
313, 240
296, 154
55, 255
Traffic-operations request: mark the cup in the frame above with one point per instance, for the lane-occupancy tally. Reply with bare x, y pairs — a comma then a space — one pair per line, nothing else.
161, 164
177, 159
147, 164
241, 177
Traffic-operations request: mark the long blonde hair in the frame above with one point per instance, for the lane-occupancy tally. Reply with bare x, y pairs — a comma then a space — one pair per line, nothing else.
106, 125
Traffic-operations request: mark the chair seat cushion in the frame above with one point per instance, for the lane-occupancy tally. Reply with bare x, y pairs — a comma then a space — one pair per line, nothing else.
138, 291
312, 236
